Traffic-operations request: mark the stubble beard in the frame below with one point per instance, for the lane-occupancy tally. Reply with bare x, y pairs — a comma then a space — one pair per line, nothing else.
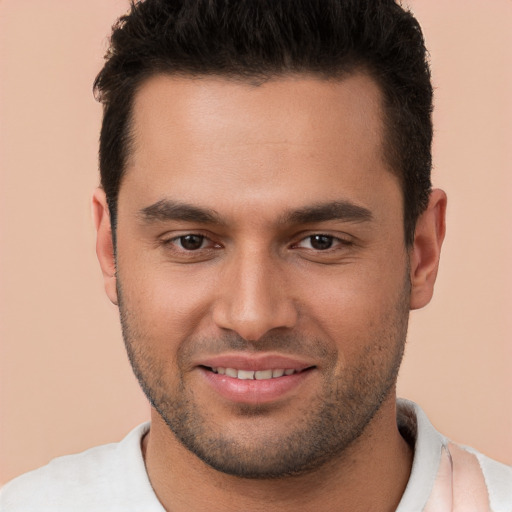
328, 425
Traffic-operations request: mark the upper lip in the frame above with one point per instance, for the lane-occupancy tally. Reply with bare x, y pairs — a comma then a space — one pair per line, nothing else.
255, 362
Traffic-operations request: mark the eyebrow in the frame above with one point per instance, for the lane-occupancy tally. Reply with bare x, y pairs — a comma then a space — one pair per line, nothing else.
334, 210
166, 210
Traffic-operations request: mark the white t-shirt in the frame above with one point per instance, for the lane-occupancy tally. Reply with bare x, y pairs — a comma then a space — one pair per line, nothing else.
113, 478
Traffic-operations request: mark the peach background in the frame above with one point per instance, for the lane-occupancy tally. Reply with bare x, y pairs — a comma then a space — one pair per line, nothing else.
65, 383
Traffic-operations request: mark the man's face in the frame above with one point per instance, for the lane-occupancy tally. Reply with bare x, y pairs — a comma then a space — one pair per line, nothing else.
260, 231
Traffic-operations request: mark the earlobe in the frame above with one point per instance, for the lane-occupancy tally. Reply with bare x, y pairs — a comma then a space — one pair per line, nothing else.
104, 243
426, 249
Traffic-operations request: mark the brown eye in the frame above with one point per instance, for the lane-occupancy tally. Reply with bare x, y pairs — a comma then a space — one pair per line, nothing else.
321, 242
191, 242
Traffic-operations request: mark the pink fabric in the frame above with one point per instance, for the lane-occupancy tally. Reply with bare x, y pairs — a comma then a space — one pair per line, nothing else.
441, 497
460, 484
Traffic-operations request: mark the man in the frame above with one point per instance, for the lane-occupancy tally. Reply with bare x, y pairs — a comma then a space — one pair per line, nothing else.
265, 223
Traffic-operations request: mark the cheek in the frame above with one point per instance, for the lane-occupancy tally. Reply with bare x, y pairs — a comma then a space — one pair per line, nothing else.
159, 314
166, 305
359, 307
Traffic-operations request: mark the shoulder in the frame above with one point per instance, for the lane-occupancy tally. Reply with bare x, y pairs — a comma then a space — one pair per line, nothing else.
496, 476
55, 484
444, 472
84, 481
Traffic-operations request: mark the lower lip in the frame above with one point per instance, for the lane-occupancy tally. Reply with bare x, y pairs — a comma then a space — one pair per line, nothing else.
254, 391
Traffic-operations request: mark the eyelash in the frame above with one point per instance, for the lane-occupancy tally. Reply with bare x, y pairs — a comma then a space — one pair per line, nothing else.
172, 241
334, 240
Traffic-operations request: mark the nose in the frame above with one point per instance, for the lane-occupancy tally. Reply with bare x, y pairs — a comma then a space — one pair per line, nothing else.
253, 297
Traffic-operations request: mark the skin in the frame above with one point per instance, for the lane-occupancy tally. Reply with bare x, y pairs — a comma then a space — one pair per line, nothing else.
255, 157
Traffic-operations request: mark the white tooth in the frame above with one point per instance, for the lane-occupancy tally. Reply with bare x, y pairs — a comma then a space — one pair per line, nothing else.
278, 373
289, 371
221, 371
263, 374
231, 372
245, 375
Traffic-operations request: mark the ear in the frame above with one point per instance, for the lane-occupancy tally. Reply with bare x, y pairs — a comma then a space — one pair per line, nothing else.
104, 243
426, 249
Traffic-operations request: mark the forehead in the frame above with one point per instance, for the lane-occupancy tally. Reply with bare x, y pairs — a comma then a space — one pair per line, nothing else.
197, 138
203, 107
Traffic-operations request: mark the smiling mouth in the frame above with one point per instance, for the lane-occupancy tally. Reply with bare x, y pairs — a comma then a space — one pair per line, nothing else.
271, 373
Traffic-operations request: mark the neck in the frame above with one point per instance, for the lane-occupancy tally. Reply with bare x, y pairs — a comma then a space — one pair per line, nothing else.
370, 475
